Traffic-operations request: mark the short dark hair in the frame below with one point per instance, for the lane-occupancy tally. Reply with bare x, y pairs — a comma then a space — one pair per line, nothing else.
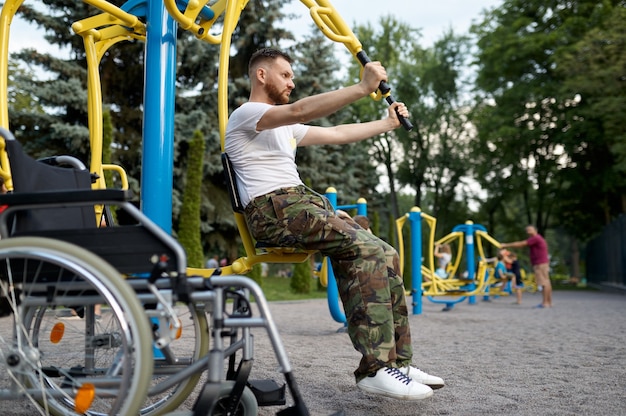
266, 54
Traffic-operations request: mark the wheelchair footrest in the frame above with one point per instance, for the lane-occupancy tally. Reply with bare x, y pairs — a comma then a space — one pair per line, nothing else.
268, 392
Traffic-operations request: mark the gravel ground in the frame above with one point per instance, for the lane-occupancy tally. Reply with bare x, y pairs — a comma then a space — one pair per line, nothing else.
497, 358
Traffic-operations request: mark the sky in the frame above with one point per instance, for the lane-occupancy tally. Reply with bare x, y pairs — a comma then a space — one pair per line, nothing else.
432, 17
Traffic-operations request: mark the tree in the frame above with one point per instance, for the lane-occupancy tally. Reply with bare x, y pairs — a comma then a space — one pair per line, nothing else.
19, 95
593, 71
189, 228
301, 278
62, 128
437, 154
521, 119
389, 42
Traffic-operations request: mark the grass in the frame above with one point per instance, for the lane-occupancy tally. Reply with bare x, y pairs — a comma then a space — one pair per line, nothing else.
278, 288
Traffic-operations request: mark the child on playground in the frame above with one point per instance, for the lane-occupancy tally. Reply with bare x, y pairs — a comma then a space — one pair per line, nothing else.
501, 273
513, 267
443, 252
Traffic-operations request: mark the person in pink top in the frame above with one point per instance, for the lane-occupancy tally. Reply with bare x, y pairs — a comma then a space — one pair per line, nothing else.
539, 259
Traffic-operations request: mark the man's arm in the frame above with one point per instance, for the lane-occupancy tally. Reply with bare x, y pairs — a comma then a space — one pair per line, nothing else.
517, 244
350, 133
322, 105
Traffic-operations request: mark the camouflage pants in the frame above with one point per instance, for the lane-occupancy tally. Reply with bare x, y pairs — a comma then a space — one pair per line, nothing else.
366, 268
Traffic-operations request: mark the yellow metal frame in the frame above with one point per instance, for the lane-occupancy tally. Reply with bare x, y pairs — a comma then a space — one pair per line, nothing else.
191, 20
435, 285
332, 25
455, 287
6, 18
432, 226
99, 33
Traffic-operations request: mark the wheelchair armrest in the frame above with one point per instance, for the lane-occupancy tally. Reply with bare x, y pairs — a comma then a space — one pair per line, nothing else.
56, 197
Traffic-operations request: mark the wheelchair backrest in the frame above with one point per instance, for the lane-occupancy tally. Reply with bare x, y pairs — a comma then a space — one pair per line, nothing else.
31, 176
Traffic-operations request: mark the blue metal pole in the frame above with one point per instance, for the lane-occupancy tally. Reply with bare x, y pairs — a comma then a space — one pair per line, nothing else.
469, 256
415, 221
361, 206
158, 127
332, 292
469, 229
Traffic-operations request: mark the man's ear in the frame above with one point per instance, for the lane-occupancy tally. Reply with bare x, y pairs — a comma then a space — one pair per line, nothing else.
261, 73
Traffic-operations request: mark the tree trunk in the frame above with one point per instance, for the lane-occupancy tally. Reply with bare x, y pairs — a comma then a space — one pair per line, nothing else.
575, 258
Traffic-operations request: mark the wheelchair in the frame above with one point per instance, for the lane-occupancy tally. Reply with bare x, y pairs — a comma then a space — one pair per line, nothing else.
134, 357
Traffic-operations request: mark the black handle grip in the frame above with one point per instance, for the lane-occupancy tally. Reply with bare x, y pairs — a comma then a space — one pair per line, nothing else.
384, 89
364, 59
406, 123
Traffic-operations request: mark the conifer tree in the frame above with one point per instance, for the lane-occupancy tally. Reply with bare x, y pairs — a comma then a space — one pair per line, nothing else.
189, 228
301, 278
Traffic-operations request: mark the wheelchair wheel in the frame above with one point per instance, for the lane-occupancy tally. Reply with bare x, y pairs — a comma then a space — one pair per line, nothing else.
192, 345
247, 405
60, 357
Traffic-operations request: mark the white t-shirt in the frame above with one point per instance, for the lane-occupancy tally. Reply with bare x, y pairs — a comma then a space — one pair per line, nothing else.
263, 160
444, 260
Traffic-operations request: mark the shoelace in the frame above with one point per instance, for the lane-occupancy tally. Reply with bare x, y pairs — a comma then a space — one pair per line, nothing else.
398, 375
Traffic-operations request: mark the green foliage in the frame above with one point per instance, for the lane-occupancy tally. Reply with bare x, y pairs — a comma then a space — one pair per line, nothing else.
301, 278
256, 275
374, 222
593, 71
390, 42
536, 147
20, 97
62, 128
392, 234
278, 288
107, 137
189, 228
437, 155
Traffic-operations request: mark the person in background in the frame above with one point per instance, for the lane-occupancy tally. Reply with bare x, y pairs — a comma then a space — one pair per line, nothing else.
213, 262
443, 253
540, 261
513, 267
501, 272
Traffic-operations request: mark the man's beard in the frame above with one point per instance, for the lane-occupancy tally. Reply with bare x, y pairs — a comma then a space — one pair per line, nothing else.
275, 95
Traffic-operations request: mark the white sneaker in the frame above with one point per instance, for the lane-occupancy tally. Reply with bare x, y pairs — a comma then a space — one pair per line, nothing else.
418, 375
391, 382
